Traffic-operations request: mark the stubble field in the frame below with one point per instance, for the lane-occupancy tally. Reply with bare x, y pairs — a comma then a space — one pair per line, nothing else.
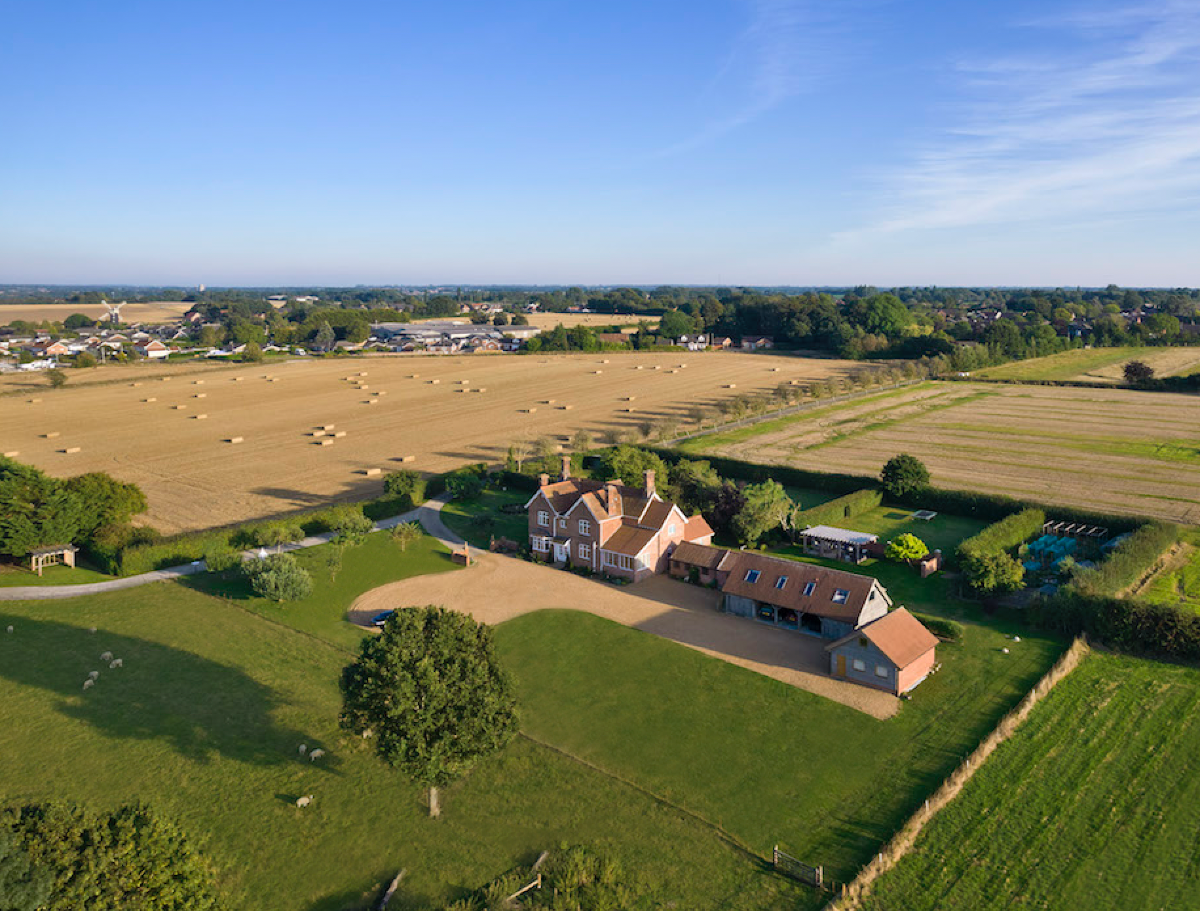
426, 413
1116, 450
150, 312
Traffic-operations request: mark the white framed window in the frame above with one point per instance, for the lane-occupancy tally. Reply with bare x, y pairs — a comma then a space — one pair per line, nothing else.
562, 523
840, 595
585, 551
626, 562
541, 545
752, 575
809, 588
671, 529
858, 664
543, 518
781, 581
585, 527
881, 670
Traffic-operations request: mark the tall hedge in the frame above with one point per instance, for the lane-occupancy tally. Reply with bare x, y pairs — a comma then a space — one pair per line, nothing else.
1003, 536
1128, 562
1160, 630
842, 508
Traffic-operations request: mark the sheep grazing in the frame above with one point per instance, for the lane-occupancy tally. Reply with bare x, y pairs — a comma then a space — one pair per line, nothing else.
10, 629
88, 684
303, 802
117, 662
106, 656
303, 749
315, 755
93, 674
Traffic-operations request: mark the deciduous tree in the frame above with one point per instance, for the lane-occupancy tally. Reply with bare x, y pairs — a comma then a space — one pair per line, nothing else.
432, 693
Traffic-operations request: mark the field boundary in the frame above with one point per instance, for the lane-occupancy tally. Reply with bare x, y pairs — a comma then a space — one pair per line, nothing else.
902, 842
726, 837
790, 410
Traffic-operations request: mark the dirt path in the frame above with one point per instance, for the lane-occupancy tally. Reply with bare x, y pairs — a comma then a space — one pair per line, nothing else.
499, 588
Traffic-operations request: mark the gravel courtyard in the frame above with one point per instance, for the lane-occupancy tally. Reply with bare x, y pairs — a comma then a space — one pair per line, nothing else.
498, 588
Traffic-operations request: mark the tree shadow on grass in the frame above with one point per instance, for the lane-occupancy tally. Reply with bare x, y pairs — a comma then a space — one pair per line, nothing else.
202, 708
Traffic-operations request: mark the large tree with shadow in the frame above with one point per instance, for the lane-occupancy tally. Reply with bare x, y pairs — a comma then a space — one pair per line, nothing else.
432, 694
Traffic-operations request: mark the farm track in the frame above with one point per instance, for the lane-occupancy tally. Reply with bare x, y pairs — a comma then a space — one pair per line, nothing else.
194, 479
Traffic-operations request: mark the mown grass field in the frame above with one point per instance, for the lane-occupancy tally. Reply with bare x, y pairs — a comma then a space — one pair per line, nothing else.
1115, 450
1091, 805
219, 689
1102, 365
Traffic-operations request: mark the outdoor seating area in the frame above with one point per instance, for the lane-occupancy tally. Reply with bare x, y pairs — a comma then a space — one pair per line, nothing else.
41, 557
838, 543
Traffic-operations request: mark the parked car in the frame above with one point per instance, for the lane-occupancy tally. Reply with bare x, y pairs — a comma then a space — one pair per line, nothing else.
381, 618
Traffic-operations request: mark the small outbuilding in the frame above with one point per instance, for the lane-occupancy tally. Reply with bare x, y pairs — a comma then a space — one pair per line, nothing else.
894, 653
41, 557
838, 543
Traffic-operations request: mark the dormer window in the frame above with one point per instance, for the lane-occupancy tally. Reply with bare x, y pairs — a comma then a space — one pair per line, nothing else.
752, 575
781, 581
809, 588
840, 595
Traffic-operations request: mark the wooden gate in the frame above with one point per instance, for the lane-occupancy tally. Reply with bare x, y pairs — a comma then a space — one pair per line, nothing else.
785, 863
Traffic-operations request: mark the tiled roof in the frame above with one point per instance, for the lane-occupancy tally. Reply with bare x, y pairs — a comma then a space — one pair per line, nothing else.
697, 527
629, 540
828, 584
701, 555
899, 635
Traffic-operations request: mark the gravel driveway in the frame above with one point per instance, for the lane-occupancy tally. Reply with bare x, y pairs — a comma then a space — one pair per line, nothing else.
498, 588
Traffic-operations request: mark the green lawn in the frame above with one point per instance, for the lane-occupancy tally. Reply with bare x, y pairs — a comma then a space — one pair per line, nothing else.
204, 721
479, 519
1092, 804
767, 762
15, 576
376, 562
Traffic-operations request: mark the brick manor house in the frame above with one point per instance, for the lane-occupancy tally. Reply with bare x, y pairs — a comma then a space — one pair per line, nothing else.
608, 526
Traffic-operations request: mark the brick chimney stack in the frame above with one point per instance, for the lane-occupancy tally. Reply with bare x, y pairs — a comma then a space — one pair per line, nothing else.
648, 483
615, 506
566, 468
543, 480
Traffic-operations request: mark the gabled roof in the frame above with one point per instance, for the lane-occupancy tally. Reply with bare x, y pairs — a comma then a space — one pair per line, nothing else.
629, 540
563, 495
697, 527
899, 635
851, 591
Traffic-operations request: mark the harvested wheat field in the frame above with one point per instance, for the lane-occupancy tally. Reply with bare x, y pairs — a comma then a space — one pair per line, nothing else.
149, 312
1115, 450
144, 372
428, 413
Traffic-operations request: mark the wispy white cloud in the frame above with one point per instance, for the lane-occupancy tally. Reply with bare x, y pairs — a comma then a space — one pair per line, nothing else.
1105, 123
775, 57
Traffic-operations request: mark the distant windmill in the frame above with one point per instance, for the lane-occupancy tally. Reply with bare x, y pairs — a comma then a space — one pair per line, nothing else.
114, 311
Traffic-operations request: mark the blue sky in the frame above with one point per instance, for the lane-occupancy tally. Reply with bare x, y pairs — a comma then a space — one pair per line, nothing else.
741, 142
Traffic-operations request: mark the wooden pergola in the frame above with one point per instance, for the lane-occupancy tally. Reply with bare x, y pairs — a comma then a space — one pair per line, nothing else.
41, 557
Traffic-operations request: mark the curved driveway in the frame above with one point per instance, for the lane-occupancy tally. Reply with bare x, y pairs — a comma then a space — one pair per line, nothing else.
428, 514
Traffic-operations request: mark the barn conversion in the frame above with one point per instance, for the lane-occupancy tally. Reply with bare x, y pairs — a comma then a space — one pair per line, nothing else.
893, 653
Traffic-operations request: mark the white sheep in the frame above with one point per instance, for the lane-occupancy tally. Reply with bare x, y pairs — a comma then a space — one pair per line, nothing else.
106, 656
93, 674
117, 662
1004, 650
315, 755
89, 683
303, 749
304, 801
10, 629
